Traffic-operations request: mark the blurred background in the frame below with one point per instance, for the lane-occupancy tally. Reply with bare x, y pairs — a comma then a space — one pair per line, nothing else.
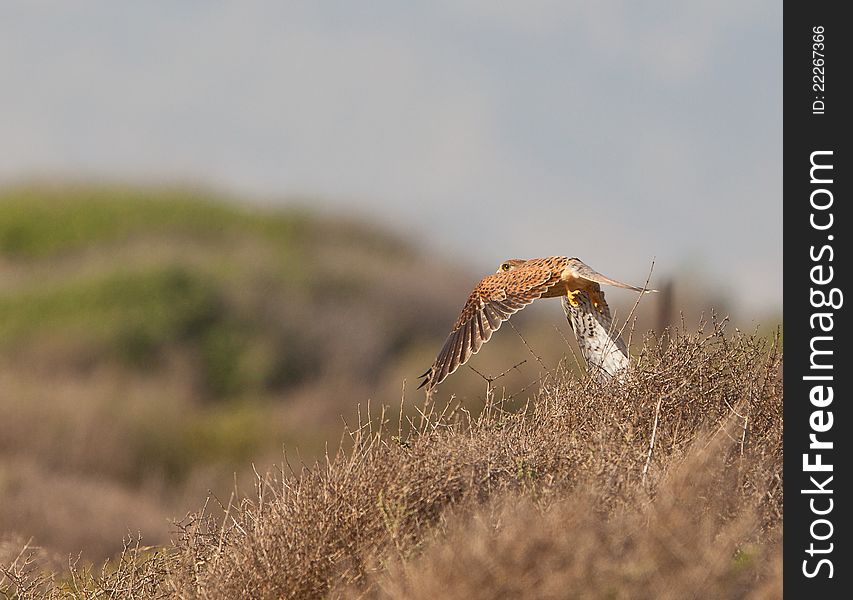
225, 226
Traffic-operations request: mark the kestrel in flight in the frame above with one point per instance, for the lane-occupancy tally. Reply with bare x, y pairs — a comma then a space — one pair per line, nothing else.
516, 284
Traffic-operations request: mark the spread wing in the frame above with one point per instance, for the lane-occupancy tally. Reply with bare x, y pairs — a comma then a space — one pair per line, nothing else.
495, 299
580, 269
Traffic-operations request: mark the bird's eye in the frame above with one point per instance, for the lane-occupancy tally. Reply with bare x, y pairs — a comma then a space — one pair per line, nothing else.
505, 267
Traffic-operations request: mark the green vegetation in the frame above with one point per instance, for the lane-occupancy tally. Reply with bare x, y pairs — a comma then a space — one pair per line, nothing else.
232, 434
152, 288
155, 305
40, 222
159, 339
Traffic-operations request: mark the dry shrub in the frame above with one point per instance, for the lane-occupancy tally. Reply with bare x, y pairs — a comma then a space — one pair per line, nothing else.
686, 543
137, 572
68, 512
667, 486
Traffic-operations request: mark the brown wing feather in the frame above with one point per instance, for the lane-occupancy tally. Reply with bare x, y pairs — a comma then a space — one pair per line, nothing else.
582, 270
495, 299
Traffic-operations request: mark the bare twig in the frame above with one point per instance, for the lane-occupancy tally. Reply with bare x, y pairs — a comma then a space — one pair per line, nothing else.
536, 356
652, 441
490, 389
571, 349
637, 302
400, 420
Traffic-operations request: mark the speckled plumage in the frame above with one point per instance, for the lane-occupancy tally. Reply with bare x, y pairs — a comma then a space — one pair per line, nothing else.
516, 284
598, 338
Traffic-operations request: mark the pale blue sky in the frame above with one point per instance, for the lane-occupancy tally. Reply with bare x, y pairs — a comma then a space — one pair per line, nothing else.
615, 131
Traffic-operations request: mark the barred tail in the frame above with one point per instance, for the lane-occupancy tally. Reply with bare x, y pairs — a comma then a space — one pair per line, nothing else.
602, 347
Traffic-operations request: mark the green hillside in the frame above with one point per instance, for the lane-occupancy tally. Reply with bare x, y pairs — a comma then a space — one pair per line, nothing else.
251, 295
160, 339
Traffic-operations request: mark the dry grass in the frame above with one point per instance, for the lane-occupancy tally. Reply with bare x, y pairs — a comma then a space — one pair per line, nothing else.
153, 341
568, 498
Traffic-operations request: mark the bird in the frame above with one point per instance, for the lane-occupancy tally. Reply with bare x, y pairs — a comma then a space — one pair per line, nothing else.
518, 282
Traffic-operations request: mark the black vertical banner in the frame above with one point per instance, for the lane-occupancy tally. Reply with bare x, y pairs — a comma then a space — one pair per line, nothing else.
817, 221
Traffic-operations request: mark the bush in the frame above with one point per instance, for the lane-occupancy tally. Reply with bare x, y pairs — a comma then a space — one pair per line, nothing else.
668, 486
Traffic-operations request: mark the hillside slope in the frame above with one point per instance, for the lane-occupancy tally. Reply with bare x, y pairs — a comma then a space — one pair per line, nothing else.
155, 341
160, 343
668, 486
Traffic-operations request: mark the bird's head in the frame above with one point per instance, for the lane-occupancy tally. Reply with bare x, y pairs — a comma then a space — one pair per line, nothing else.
509, 265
